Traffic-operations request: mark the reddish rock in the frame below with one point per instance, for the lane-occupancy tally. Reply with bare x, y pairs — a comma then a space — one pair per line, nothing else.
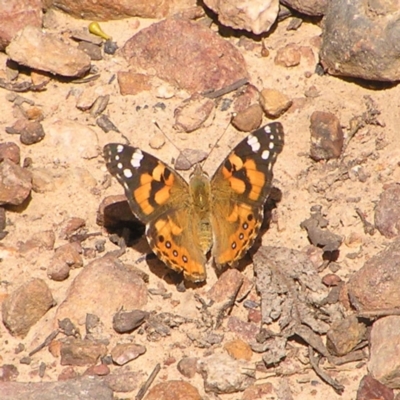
114, 210
131, 82
245, 330
173, 390
8, 372
10, 151
308, 7
104, 10
255, 392
360, 40
78, 352
274, 102
126, 352
85, 388
249, 119
38, 50
71, 226
124, 381
15, 183
25, 306
251, 16
187, 55
384, 361
238, 349
345, 335
102, 287
222, 374
98, 370
41, 240
15, 15
371, 389
288, 56
66, 257
227, 286
375, 286
188, 366
33, 133
387, 212
326, 136
331, 280
127, 321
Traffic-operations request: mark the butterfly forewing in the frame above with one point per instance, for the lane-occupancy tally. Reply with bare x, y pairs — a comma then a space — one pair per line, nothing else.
240, 188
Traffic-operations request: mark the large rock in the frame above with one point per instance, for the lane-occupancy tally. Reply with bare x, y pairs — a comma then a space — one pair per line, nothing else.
101, 288
38, 50
186, 54
361, 39
255, 16
104, 10
15, 15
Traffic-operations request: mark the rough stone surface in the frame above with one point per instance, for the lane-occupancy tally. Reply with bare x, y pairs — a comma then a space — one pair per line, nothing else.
80, 352
371, 389
102, 287
35, 49
15, 183
104, 10
123, 353
376, 285
308, 7
10, 151
360, 39
87, 388
387, 212
326, 136
15, 15
345, 335
384, 362
173, 390
193, 113
222, 374
274, 102
253, 16
25, 306
174, 48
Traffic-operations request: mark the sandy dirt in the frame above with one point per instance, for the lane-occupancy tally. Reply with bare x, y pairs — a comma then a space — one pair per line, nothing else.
80, 186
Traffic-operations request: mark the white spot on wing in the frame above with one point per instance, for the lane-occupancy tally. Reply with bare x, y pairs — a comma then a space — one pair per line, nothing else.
119, 165
267, 129
120, 148
271, 146
253, 143
265, 155
136, 159
128, 173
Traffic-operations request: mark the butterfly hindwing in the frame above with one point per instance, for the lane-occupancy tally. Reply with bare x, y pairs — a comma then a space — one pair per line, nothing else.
240, 187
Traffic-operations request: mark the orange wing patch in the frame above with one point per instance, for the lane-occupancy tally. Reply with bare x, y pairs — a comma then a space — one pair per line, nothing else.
165, 245
241, 240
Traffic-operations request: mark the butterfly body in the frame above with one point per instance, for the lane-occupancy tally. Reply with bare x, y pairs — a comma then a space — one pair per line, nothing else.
185, 220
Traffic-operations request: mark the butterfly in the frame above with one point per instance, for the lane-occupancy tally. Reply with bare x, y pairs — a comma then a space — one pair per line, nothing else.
185, 220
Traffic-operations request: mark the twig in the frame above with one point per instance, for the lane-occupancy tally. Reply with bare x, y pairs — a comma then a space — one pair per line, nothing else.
227, 89
339, 388
142, 391
46, 342
368, 227
378, 313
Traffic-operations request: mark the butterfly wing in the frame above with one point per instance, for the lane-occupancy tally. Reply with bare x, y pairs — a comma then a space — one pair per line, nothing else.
239, 190
159, 197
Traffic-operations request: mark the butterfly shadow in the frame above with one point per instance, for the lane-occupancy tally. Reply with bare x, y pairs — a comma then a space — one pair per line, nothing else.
274, 198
